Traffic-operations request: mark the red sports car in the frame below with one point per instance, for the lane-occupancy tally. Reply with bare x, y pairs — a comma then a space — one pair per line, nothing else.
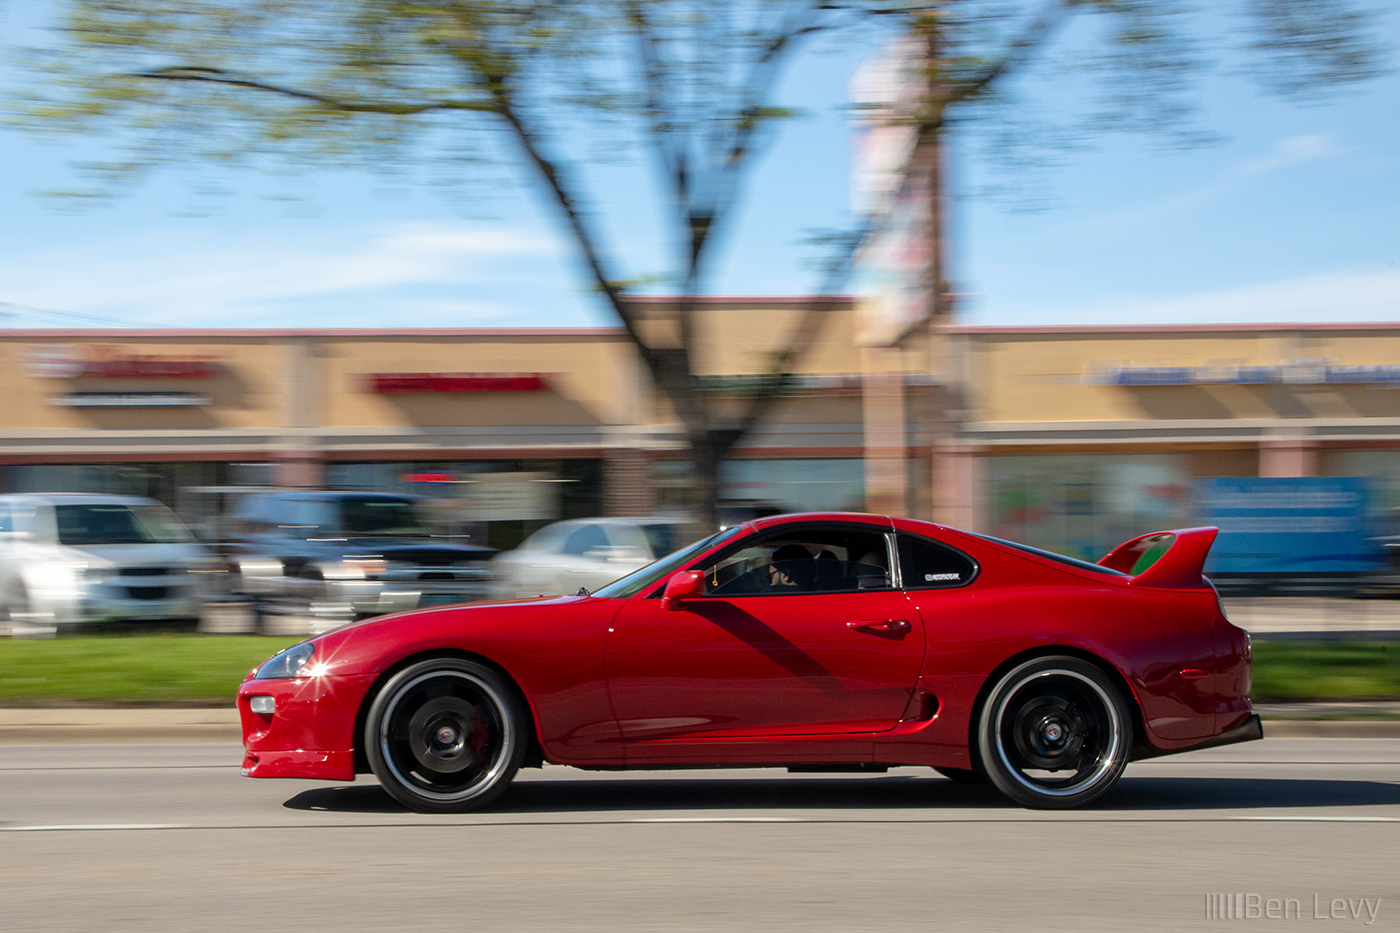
818, 642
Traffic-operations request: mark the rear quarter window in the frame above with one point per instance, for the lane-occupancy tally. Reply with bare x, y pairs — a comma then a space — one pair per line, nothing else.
928, 565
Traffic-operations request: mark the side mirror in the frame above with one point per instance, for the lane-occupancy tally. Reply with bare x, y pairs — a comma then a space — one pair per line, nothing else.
687, 584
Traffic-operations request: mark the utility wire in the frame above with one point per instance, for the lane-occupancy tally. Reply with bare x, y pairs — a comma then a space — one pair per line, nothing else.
52, 315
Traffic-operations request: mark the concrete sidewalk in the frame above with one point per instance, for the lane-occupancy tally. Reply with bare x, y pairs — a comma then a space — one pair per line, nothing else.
1298, 615
117, 725
166, 725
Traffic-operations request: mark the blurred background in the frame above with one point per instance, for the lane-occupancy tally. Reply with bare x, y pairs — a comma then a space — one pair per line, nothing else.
373, 299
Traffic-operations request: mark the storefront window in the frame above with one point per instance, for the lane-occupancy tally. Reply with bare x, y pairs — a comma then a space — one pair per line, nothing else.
1381, 471
1380, 467
195, 491
493, 502
1082, 506
768, 487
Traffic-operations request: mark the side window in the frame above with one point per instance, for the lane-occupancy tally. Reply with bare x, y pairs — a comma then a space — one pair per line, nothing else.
309, 518
585, 539
830, 559
546, 539
926, 565
627, 542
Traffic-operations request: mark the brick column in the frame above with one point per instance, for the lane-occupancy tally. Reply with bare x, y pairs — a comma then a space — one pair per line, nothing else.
1288, 457
300, 469
299, 464
628, 489
960, 486
886, 472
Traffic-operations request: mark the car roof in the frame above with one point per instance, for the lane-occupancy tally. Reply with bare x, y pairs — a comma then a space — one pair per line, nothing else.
331, 494
862, 518
73, 498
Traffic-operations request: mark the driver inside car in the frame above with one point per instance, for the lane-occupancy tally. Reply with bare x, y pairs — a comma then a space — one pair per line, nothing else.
791, 569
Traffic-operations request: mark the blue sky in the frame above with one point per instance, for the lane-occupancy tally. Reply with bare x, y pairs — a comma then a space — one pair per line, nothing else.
1292, 218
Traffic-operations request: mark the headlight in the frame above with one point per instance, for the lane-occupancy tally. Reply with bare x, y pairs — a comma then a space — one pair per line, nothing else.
287, 664
356, 568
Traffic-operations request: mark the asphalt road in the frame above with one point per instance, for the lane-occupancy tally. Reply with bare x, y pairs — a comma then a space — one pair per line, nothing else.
170, 837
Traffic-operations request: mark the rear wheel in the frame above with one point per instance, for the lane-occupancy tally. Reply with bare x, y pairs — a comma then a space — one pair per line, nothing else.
445, 735
1055, 733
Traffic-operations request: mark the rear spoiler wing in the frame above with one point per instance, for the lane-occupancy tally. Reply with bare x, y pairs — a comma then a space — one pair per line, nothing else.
1167, 559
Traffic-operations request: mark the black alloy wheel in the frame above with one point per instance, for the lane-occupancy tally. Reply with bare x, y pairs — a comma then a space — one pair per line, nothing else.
1055, 733
445, 735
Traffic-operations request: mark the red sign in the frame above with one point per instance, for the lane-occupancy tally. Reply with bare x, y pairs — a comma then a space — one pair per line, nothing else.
393, 383
428, 478
69, 361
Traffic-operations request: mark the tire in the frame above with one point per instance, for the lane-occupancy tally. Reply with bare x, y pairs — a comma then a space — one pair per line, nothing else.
28, 622
963, 775
1055, 733
445, 735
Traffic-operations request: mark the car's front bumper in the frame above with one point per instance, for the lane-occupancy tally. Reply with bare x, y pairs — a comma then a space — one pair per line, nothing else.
92, 605
311, 732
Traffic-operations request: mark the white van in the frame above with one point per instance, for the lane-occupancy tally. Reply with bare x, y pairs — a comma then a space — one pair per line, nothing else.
67, 559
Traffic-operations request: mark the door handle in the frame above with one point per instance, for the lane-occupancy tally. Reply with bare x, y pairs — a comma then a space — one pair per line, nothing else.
880, 626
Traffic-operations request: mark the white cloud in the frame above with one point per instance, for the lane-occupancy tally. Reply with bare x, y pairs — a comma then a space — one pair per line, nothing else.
1285, 153
1344, 295
1292, 150
205, 279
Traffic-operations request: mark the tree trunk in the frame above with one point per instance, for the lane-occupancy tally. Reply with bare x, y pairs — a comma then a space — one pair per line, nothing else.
707, 451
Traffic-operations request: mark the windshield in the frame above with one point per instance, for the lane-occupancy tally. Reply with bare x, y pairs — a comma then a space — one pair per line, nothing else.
638, 580
114, 523
386, 517
662, 537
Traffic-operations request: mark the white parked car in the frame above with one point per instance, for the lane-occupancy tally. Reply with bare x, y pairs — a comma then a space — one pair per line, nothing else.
587, 552
67, 559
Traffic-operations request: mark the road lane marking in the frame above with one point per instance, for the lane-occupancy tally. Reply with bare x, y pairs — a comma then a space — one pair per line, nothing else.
1321, 819
87, 827
721, 819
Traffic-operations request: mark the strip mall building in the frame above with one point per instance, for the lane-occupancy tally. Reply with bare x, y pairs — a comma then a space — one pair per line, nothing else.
1069, 437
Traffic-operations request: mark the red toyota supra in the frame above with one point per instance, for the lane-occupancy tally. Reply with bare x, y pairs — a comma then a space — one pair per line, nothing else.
833, 641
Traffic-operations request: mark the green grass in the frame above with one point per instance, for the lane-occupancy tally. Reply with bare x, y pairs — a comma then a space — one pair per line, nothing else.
1313, 670
205, 670
167, 670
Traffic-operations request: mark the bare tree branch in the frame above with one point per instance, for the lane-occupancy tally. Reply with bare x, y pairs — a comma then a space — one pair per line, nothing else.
673, 157
1017, 53
192, 73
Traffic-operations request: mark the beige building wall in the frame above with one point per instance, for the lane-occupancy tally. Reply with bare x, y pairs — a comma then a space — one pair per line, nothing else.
246, 391
591, 379
1047, 376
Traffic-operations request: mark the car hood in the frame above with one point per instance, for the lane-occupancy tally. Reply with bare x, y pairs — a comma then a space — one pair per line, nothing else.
127, 555
412, 550
370, 644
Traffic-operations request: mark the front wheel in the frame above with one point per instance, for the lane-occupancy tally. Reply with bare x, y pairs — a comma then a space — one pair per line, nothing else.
1055, 733
445, 735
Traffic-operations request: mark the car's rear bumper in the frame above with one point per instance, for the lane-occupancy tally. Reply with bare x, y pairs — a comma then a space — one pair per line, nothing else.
1249, 729
311, 732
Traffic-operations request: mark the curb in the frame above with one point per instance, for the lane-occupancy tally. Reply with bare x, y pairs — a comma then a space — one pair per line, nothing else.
119, 735
1332, 728
118, 726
